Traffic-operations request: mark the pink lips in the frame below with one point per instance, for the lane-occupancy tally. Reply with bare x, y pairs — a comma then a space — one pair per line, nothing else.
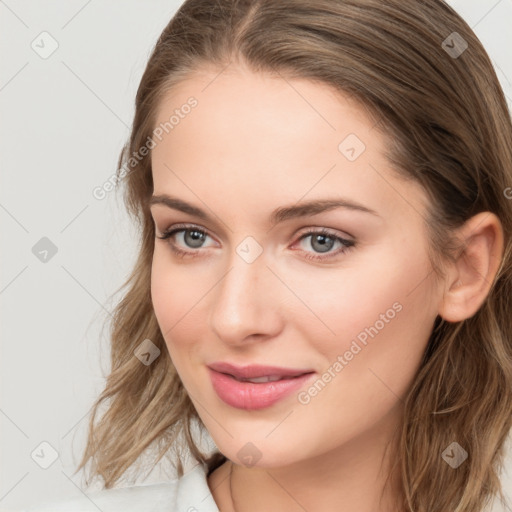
255, 395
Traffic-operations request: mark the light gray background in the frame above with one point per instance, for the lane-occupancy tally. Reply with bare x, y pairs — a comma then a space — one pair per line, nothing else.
63, 122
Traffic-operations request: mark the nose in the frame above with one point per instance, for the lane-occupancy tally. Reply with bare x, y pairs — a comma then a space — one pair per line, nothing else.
245, 304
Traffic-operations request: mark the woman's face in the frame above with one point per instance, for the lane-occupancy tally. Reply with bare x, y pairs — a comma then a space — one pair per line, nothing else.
260, 284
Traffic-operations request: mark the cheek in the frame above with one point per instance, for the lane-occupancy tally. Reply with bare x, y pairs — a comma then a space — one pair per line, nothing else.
376, 314
382, 323
382, 318
176, 294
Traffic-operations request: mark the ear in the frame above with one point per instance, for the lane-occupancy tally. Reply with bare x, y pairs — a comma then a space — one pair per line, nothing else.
470, 277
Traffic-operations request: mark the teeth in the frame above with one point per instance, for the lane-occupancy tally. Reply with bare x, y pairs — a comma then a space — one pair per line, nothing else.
269, 378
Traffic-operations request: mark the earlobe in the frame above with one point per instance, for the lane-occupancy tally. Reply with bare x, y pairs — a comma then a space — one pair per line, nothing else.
471, 276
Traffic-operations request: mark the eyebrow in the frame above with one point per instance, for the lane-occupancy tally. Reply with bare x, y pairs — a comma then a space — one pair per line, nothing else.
280, 214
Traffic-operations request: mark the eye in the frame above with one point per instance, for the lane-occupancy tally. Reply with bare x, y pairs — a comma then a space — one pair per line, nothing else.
323, 241
193, 237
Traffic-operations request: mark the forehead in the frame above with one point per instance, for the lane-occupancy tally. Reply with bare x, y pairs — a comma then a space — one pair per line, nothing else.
253, 133
261, 105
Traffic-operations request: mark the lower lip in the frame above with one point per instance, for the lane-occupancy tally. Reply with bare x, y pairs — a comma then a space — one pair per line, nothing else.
252, 395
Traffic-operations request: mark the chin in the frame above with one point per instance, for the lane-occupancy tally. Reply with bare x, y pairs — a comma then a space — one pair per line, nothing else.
261, 454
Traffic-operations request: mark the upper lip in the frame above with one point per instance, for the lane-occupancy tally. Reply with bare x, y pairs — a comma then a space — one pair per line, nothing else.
253, 371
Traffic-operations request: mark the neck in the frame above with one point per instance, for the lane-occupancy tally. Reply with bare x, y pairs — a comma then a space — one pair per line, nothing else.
352, 477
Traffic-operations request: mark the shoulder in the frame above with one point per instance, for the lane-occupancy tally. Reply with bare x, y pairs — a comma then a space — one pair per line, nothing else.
191, 490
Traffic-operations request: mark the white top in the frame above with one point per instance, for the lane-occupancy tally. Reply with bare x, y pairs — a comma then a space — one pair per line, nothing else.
190, 493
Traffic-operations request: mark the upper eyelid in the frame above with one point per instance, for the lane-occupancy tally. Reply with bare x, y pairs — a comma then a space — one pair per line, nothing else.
179, 227
158, 207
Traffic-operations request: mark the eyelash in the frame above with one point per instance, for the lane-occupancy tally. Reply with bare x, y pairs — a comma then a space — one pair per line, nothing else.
346, 244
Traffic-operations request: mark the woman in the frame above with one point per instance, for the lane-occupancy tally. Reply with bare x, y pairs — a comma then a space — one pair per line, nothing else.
325, 272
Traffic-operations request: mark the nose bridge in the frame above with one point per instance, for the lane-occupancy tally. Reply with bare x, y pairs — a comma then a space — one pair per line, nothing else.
241, 304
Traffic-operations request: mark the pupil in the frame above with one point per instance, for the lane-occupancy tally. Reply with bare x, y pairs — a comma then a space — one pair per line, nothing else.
196, 237
324, 246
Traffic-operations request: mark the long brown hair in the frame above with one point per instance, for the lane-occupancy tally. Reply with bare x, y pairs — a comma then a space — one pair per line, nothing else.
426, 78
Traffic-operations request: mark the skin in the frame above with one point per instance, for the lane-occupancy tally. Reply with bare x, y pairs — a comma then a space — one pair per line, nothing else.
255, 143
